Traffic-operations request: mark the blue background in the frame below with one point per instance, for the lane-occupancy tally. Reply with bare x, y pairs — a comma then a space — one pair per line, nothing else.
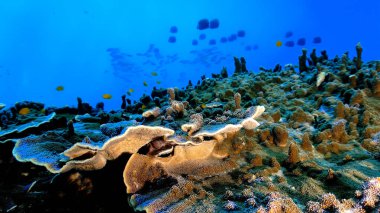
47, 43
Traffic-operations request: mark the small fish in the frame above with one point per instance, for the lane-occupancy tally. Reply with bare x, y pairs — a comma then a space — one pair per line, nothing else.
203, 24
143, 107
232, 37
128, 93
131, 90
59, 88
145, 83
317, 40
278, 43
288, 34
24, 111
154, 73
214, 24
107, 96
241, 33
172, 39
158, 82
203, 106
173, 29
289, 44
301, 42
202, 36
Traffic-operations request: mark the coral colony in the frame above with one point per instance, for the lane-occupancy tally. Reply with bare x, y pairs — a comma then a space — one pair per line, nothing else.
274, 141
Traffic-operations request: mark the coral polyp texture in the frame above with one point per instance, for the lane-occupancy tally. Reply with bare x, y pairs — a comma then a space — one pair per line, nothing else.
274, 141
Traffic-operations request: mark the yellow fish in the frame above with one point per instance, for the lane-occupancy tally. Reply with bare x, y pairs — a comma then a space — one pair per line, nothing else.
107, 96
131, 90
278, 43
24, 111
145, 84
143, 107
59, 88
158, 82
154, 73
203, 106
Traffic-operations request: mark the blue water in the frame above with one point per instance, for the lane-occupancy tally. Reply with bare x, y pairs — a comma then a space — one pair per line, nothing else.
93, 47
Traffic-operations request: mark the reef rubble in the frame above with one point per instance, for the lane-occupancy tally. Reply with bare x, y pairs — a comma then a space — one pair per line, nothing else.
279, 140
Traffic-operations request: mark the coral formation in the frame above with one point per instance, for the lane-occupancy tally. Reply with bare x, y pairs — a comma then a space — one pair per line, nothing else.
274, 141
196, 122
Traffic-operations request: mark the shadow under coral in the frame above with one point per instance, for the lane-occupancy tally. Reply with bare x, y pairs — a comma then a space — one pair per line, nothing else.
25, 187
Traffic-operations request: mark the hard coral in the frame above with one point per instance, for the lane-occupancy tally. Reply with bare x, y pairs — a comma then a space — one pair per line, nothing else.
196, 122
129, 142
152, 113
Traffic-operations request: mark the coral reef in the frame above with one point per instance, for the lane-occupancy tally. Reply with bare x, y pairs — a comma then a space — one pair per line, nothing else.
273, 141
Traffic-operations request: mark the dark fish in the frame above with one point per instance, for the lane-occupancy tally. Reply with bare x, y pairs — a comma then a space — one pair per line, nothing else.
232, 37
241, 33
173, 29
112, 49
194, 42
248, 48
172, 39
212, 42
289, 44
214, 24
288, 34
223, 40
301, 42
203, 24
202, 36
317, 40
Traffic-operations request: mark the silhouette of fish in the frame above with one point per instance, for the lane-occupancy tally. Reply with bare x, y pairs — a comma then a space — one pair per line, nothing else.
212, 42
203, 24
172, 39
241, 33
288, 34
232, 37
202, 36
289, 44
173, 29
301, 42
214, 24
317, 40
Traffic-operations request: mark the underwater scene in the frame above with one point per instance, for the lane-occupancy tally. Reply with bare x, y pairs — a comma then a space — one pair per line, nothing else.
190, 106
